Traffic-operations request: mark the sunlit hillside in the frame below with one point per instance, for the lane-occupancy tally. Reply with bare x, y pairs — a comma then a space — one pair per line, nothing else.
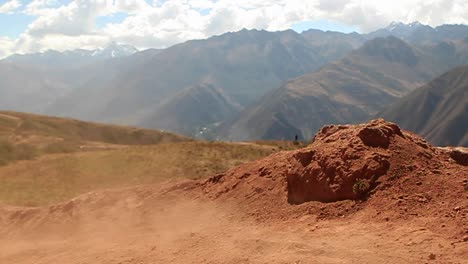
26, 136
46, 160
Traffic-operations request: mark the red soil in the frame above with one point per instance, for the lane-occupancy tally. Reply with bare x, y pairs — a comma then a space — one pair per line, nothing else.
400, 175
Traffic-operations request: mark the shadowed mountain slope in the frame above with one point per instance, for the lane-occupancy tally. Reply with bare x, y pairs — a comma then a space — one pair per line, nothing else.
438, 110
349, 90
194, 111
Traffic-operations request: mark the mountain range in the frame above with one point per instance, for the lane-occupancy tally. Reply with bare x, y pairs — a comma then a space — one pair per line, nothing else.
72, 58
345, 91
250, 84
243, 66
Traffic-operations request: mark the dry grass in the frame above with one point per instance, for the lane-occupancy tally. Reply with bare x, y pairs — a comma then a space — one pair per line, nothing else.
54, 178
22, 124
282, 144
45, 160
26, 136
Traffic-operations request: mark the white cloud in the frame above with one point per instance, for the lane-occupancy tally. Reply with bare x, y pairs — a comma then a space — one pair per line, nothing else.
170, 23
10, 6
130, 6
6, 45
40, 7
164, 23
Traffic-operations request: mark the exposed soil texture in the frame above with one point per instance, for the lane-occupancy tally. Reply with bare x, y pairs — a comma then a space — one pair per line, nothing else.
349, 167
369, 193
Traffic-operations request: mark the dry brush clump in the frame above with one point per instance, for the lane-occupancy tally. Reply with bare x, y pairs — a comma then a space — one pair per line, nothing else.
13, 152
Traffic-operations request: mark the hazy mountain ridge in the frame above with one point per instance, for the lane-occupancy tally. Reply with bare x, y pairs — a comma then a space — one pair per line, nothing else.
337, 44
333, 45
245, 65
72, 58
196, 111
438, 110
27, 88
417, 33
81, 101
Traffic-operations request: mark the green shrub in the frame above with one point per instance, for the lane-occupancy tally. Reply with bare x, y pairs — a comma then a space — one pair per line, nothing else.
361, 187
10, 152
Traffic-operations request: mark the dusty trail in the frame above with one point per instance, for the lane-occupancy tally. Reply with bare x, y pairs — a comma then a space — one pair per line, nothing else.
166, 229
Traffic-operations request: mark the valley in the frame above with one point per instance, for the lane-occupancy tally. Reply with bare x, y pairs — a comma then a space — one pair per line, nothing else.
284, 82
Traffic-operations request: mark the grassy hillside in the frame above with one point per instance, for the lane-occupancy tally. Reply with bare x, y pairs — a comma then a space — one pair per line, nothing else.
70, 129
25, 136
45, 160
54, 178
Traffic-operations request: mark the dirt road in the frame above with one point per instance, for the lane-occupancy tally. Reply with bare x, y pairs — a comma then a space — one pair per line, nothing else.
137, 227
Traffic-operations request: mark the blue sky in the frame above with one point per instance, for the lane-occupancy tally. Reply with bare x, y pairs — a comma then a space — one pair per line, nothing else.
36, 25
325, 25
12, 25
102, 21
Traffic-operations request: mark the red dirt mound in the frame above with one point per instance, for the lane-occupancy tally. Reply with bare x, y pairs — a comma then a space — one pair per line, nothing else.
347, 163
343, 162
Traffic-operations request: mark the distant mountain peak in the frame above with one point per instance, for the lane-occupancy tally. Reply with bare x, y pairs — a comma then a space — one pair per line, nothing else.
416, 32
77, 56
400, 25
415, 24
394, 24
114, 49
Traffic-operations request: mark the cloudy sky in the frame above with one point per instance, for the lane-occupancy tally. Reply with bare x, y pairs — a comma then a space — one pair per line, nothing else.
38, 25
